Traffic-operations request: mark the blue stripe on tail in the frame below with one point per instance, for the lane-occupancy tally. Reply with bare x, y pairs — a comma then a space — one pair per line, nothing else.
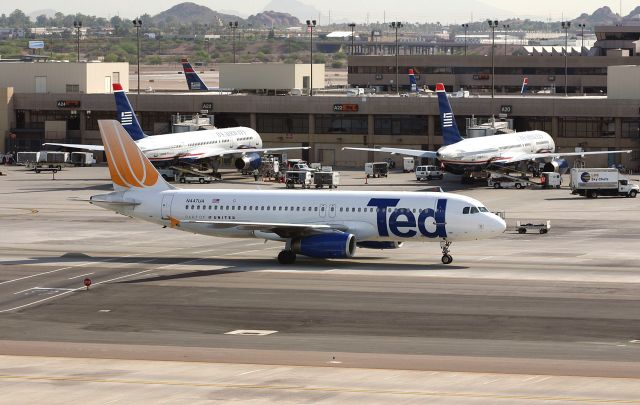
126, 115
194, 81
450, 132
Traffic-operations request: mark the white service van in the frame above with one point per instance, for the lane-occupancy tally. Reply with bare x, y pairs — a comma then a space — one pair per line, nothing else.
428, 173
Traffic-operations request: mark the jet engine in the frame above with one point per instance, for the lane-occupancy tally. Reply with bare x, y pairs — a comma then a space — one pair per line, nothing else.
249, 161
326, 246
379, 245
557, 165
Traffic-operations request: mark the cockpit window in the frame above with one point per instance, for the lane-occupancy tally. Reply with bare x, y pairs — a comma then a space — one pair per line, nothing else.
474, 210
465, 210
483, 209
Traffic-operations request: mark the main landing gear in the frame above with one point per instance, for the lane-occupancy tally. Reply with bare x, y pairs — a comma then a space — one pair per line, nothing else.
446, 257
286, 257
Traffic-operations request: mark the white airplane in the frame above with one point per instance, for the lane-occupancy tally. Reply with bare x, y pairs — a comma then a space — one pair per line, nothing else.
188, 146
319, 224
460, 155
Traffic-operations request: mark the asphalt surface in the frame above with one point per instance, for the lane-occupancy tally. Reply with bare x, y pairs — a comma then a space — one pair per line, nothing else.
563, 304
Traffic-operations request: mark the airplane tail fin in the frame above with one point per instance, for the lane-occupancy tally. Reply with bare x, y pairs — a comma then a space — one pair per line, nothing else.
525, 84
450, 132
412, 81
128, 166
126, 115
194, 81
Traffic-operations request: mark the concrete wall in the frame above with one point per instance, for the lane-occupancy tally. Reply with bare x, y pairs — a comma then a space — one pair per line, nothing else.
256, 76
6, 115
90, 77
623, 82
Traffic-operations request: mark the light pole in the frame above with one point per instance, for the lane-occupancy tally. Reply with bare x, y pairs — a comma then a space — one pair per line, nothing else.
565, 26
353, 27
310, 25
77, 25
234, 27
493, 24
506, 28
466, 28
582, 27
397, 25
137, 22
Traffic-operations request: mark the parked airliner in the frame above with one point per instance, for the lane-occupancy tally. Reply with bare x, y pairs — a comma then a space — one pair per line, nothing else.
460, 155
194, 82
319, 224
197, 146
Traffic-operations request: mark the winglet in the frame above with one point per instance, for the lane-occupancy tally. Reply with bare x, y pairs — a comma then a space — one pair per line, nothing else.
128, 166
174, 222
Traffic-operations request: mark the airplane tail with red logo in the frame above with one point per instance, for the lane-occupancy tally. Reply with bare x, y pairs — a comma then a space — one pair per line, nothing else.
525, 85
413, 81
194, 81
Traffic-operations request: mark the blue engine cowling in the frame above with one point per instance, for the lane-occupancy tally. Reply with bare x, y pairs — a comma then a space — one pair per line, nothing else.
379, 245
249, 161
557, 166
326, 246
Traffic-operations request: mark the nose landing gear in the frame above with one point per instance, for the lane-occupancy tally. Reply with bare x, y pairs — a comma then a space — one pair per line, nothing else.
446, 257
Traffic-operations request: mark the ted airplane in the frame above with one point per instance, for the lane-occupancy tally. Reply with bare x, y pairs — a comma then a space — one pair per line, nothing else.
319, 224
460, 155
201, 146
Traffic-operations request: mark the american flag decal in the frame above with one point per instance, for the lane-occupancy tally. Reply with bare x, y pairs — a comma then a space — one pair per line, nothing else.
447, 120
215, 201
126, 118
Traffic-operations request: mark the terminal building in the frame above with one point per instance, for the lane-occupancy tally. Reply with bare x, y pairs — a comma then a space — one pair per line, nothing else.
586, 70
330, 122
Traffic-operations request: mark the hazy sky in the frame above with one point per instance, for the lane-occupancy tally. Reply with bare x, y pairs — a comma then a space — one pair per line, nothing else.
340, 10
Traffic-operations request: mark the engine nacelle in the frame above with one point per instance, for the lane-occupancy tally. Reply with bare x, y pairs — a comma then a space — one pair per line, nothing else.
250, 161
326, 246
379, 245
557, 165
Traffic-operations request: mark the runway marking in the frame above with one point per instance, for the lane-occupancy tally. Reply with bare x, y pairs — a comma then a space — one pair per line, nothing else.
252, 371
249, 332
44, 288
81, 275
346, 390
39, 301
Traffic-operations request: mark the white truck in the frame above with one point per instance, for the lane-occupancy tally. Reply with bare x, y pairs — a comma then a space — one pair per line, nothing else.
408, 164
592, 183
376, 169
428, 173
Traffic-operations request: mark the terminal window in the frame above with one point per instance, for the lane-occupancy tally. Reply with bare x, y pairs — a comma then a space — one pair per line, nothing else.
73, 88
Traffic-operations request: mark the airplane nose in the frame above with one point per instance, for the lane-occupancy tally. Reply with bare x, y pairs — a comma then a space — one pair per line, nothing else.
498, 225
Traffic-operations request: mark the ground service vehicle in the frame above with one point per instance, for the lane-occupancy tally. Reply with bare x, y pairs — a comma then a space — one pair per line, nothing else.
376, 169
81, 159
428, 173
497, 181
303, 178
592, 183
329, 179
550, 180
408, 164
188, 178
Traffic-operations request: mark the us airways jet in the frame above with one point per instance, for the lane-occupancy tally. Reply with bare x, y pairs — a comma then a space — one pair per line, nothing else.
201, 147
194, 82
319, 224
460, 155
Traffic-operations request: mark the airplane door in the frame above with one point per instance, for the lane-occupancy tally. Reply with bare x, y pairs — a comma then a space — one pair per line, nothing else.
332, 211
323, 210
165, 209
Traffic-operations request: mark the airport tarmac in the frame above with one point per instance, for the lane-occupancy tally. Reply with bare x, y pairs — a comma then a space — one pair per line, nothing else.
517, 319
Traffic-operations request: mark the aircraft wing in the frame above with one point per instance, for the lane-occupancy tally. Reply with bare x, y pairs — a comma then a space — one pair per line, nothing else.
284, 230
398, 151
98, 148
534, 156
203, 153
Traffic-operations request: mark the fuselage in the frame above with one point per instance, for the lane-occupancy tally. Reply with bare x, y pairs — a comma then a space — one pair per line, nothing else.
472, 153
190, 145
369, 216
